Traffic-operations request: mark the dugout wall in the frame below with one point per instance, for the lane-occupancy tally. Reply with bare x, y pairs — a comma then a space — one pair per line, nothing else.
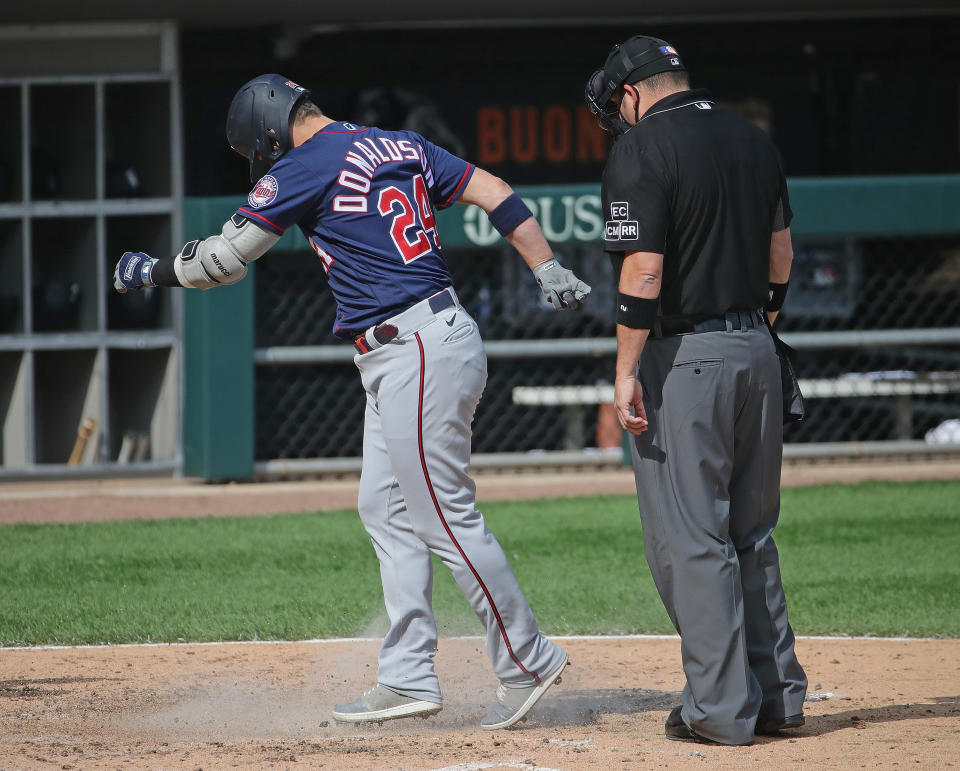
90, 163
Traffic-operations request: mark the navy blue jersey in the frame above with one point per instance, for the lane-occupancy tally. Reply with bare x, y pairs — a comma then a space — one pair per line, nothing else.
364, 199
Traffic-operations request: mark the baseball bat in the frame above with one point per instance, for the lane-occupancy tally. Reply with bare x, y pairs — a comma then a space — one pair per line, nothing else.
84, 432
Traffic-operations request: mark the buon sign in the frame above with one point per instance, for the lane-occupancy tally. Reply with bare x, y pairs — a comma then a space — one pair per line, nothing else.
553, 134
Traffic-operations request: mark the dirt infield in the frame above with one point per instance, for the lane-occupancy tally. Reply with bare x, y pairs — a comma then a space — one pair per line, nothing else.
877, 703
885, 704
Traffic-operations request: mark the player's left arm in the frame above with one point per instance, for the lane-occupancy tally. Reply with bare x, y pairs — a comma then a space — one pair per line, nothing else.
278, 201
516, 223
202, 264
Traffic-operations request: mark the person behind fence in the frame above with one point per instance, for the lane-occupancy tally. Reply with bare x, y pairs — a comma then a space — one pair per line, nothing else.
365, 199
698, 224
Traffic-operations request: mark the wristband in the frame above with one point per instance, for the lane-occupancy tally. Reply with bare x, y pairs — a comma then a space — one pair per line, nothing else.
509, 214
146, 271
636, 312
778, 293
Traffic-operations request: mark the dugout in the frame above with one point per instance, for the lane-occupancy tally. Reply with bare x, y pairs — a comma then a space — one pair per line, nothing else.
861, 98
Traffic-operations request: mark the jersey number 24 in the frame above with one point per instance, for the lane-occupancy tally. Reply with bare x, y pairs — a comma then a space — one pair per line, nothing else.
413, 221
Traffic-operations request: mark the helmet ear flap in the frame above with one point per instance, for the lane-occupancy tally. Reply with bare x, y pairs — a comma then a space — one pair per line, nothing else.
258, 168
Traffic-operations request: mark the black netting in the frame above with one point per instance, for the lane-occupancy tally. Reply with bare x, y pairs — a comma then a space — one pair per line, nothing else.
876, 417
836, 284
502, 426
308, 412
873, 283
293, 302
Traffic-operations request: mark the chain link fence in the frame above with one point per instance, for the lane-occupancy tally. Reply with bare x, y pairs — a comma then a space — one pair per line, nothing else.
881, 392
316, 411
854, 394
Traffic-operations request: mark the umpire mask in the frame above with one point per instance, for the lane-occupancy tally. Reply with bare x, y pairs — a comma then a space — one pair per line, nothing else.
628, 62
258, 122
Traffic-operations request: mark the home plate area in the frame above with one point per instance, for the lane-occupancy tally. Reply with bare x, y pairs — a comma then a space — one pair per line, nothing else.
872, 702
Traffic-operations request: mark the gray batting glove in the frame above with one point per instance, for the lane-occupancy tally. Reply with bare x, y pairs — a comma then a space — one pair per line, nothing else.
560, 286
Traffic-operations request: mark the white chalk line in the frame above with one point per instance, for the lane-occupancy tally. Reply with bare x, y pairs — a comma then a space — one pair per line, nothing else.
477, 638
480, 766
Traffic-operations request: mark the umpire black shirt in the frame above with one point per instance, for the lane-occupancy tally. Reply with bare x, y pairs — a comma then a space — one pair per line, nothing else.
703, 186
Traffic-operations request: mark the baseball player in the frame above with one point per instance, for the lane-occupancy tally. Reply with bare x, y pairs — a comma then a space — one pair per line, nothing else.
365, 199
698, 226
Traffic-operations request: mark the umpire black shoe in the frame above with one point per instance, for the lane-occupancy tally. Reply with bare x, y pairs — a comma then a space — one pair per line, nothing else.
678, 731
775, 726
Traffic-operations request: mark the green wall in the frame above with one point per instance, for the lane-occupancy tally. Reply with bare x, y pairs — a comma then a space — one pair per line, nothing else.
218, 363
219, 323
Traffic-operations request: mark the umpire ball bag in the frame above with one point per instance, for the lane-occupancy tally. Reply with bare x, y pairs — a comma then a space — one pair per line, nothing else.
794, 409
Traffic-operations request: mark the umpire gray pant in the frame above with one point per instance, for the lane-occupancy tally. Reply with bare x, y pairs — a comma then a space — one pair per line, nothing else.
708, 485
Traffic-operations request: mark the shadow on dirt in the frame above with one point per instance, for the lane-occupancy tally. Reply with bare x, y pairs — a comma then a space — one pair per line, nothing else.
859, 719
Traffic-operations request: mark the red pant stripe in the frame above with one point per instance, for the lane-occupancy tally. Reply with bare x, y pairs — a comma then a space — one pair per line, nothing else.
436, 504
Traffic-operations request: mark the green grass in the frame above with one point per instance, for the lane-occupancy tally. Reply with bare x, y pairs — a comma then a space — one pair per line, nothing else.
874, 558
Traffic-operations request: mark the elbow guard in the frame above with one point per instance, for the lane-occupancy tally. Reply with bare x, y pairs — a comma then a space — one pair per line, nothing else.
222, 259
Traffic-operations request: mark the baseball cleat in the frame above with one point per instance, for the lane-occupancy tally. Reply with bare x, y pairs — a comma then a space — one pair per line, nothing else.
513, 704
380, 703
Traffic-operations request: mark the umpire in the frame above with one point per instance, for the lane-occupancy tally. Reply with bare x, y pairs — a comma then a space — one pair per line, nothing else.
697, 223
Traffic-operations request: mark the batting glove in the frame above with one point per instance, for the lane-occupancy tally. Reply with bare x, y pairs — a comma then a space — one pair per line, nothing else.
133, 272
560, 286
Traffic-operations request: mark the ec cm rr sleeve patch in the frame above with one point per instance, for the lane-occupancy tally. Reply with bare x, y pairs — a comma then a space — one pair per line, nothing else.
636, 206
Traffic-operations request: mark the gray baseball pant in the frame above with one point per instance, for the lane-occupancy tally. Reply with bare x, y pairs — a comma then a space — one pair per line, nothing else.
416, 497
708, 485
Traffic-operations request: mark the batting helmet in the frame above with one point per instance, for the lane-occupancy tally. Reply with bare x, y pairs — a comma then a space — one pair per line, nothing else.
635, 59
258, 122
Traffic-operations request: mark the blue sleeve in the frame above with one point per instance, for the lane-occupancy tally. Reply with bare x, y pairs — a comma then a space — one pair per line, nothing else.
283, 197
446, 174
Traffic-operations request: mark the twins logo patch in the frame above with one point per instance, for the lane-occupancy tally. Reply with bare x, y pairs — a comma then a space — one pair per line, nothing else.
264, 193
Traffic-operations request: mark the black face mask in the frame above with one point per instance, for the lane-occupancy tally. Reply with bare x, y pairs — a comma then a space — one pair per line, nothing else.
598, 93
